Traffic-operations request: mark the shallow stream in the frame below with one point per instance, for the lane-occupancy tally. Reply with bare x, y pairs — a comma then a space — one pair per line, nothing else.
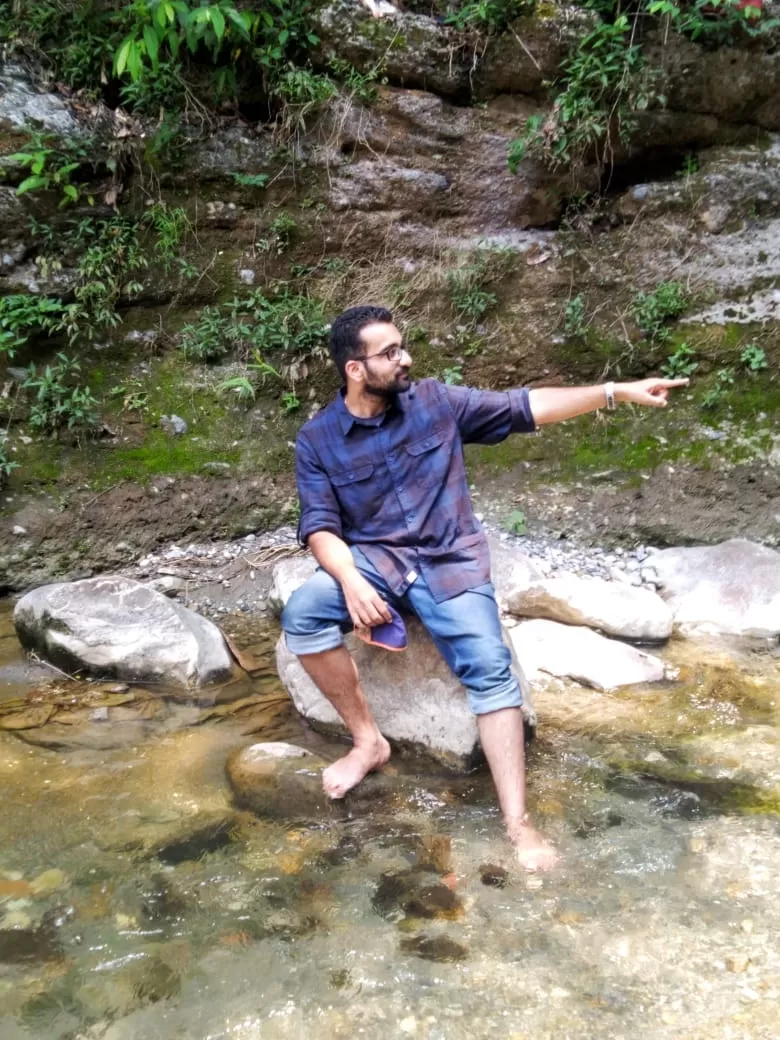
136, 903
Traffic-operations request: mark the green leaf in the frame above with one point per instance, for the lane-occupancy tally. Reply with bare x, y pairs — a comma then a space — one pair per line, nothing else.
134, 61
152, 44
121, 56
218, 21
31, 184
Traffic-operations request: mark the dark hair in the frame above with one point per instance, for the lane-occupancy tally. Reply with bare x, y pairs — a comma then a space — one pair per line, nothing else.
345, 340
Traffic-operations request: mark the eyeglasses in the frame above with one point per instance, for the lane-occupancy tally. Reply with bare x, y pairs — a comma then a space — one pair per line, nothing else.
392, 354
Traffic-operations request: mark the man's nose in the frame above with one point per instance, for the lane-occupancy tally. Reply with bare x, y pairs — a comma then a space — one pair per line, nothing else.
406, 358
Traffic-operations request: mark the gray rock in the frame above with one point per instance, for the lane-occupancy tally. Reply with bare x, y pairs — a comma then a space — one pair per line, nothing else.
511, 569
13, 224
288, 576
550, 648
173, 424
612, 607
727, 589
21, 104
115, 627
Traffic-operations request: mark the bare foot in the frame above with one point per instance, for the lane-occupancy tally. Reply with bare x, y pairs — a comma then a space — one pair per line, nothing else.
532, 851
348, 771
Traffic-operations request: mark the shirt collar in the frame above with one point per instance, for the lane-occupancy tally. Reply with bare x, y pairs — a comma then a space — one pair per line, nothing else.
347, 419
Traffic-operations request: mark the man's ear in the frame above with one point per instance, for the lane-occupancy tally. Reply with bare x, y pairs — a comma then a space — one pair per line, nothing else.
355, 371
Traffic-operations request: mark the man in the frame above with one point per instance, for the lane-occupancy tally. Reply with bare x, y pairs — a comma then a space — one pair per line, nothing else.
386, 512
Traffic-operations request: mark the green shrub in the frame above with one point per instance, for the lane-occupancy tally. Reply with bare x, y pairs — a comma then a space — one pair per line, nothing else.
59, 400
574, 321
51, 164
21, 315
753, 358
466, 288
248, 325
652, 311
681, 363
7, 466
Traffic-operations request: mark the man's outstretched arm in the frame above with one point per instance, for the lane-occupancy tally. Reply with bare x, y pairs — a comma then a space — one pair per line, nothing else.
551, 404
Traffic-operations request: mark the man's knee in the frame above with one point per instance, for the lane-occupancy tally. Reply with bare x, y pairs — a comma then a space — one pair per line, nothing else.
312, 617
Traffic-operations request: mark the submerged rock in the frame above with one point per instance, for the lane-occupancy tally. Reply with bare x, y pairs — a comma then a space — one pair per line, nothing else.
278, 780
727, 589
612, 608
434, 948
115, 627
566, 650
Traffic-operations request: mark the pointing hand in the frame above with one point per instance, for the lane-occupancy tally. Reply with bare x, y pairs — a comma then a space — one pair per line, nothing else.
652, 392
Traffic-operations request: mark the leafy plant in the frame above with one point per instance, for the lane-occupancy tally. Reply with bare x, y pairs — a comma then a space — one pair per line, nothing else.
724, 379
290, 402
487, 15
574, 321
251, 180
753, 358
51, 167
134, 398
170, 225
466, 289
22, 314
282, 232
652, 311
112, 255
516, 522
680, 362
282, 321
603, 84
159, 28
7, 466
452, 376
57, 402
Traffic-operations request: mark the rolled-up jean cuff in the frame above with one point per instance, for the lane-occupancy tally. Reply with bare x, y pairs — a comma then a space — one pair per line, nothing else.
507, 695
316, 642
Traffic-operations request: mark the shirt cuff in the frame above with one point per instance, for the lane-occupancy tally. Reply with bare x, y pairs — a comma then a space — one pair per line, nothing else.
311, 525
522, 417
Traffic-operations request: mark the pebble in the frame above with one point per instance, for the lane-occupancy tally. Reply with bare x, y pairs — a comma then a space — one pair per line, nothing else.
554, 557
48, 881
18, 529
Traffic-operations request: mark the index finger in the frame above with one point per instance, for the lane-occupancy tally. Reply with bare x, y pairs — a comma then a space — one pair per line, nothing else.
380, 605
682, 381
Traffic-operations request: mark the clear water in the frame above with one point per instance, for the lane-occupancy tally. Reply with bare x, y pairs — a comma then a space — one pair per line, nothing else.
136, 903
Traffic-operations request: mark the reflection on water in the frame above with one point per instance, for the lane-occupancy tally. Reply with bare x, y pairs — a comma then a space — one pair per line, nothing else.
137, 903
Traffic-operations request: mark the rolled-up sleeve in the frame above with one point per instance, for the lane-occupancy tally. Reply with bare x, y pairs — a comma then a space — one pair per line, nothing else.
319, 507
489, 416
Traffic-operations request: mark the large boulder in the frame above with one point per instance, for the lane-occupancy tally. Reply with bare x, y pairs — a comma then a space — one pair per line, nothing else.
728, 589
566, 651
414, 696
114, 627
415, 50
611, 607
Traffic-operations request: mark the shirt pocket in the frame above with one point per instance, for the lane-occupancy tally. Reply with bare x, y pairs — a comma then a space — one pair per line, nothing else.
428, 460
355, 492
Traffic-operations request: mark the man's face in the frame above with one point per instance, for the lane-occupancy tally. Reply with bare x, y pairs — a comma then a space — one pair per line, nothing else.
384, 360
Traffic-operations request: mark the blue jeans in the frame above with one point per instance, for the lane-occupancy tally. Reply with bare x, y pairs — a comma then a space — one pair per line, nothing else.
466, 630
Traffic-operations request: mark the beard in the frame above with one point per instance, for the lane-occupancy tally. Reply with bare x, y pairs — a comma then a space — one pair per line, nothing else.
387, 388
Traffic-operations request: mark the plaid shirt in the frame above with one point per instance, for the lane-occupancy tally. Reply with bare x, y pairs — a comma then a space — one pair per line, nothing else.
395, 486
